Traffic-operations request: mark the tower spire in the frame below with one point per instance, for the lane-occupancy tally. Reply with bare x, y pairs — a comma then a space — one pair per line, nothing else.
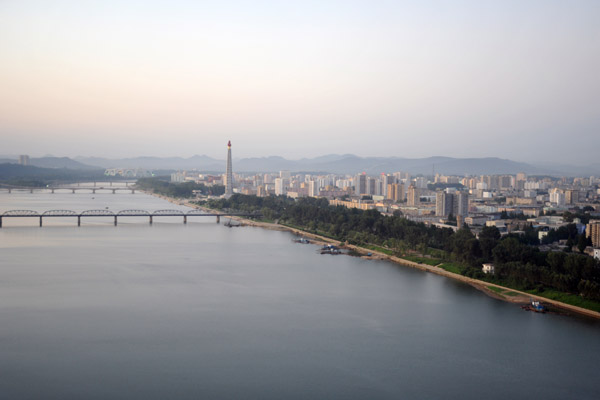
229, 174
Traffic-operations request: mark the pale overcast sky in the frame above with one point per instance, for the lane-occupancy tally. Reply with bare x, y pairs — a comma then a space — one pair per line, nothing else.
513, 79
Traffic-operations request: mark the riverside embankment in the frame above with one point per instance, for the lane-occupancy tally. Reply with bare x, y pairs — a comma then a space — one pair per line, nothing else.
516, 296
491, 289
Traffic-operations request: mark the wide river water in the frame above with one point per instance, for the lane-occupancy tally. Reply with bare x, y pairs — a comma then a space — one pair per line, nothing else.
202, 311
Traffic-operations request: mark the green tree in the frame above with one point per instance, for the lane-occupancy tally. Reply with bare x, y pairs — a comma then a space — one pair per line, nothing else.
582, 243
489, 237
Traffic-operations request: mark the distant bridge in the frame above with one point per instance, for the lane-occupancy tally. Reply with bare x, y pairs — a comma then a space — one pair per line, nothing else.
73, 189
103, 186
116, 215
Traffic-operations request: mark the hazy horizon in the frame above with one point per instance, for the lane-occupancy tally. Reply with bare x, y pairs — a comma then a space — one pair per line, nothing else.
466, 79
556, 165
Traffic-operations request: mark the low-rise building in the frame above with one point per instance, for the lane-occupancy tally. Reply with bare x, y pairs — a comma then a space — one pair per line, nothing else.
488, 268
178, 177
476, 220
362, 205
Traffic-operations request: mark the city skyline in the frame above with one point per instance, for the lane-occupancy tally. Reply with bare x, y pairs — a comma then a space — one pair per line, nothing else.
468, 79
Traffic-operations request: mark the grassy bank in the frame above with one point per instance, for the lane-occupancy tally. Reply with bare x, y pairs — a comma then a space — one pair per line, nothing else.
423, 260
567, 298
377, 248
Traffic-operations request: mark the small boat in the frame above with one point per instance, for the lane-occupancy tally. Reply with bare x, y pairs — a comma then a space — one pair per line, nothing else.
535, 306
302, 240
230, 225
330, 249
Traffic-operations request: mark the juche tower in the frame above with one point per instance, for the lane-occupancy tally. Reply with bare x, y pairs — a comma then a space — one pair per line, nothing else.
229, 174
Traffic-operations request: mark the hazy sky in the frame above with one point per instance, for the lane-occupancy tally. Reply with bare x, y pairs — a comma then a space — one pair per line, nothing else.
514, 79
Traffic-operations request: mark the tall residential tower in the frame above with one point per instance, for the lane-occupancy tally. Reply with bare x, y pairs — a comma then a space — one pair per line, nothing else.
229, 174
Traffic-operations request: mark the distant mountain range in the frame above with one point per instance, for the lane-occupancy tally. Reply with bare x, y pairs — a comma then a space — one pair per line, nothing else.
29, 175
332, 163
52, 162
347, 164
204, 163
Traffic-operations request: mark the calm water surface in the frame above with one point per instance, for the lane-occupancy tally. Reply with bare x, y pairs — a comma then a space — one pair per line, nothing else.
202, 311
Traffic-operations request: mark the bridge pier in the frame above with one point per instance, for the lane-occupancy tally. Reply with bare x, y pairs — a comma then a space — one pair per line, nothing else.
185, 219
52, 191
150, 219
132, 191
30, 190
79, 220
94, 191
9, 190
218, 219
114, 191
115, 220
73, 191
0, 221
40, 221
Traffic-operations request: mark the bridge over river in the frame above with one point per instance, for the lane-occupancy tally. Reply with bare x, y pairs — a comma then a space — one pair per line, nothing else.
116, 215
72, 189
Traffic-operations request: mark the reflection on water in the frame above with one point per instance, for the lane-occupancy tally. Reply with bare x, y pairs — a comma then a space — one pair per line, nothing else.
203, 311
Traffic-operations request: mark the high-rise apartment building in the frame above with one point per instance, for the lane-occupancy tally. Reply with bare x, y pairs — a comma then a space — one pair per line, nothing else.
571, 196
387, 180
592, 230
24, 159
451, 203
279, 186
493, 182
360, 184
444, 204
413, 198
372, 186
421, 182
395, 192
520, 181
557, 196
313, 188
461, 204
506, 182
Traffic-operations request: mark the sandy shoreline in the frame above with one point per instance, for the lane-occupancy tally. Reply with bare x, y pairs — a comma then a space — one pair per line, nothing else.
516, 296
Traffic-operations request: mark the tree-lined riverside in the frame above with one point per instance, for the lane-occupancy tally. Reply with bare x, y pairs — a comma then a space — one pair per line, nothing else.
571, 278
180, 190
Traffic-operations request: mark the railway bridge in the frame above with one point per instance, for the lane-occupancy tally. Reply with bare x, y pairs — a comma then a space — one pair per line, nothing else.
115, 215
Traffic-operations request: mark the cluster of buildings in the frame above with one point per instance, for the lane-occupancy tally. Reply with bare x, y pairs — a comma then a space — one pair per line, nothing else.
509, 202
128, 172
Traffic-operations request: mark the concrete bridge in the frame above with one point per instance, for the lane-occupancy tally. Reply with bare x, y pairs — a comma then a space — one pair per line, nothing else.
72, 189
116, 215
